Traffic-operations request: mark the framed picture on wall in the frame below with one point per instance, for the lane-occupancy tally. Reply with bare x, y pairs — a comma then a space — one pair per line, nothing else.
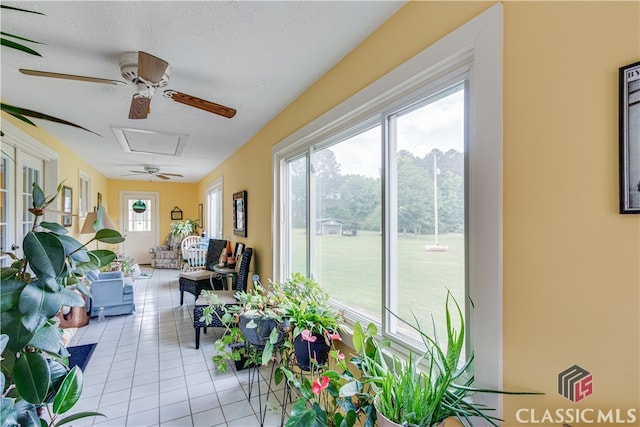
240, 213
629, 77
67, 205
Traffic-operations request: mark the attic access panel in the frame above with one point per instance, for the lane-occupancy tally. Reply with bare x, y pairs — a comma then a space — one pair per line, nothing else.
150, 142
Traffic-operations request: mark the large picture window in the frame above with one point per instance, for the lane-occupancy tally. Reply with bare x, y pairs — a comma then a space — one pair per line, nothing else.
392, 198
340, 239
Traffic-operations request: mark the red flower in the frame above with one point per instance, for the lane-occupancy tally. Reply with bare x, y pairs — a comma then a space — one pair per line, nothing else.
308, 336
317, 387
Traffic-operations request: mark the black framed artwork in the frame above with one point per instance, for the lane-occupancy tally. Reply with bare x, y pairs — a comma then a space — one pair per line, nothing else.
629, 80
240, 213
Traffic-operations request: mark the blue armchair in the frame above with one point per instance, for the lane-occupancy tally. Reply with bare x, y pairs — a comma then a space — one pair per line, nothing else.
112, 291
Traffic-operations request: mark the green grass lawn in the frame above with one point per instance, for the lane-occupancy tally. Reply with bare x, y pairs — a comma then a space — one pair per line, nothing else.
349, 269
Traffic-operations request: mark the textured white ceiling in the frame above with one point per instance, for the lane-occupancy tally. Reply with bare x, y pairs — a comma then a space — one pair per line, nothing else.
256, 57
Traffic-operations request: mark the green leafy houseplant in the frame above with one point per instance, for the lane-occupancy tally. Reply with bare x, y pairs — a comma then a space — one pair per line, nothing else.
37, 386
315, 323
425, 390
182, 229
307, 307
256, 319
321, 401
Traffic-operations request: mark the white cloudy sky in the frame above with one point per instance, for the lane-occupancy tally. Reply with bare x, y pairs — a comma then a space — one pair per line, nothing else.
436, 125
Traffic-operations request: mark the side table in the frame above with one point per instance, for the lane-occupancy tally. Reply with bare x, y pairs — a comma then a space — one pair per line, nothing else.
228, 273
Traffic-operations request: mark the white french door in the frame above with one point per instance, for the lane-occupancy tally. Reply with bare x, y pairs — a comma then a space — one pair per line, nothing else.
140, 228
18, 172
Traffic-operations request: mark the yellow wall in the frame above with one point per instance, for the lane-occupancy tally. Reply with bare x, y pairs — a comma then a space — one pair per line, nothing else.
185, 196
571, 262
171, 194
69, 167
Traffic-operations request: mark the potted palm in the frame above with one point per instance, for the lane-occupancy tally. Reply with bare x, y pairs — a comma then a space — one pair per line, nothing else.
34, 367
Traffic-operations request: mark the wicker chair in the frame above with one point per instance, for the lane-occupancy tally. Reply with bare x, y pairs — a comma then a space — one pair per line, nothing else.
195, 281
227, 297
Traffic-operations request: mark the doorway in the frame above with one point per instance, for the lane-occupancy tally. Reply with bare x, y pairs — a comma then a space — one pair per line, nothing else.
139, 224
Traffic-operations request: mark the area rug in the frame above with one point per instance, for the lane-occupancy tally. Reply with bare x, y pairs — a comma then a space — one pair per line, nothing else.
80, 355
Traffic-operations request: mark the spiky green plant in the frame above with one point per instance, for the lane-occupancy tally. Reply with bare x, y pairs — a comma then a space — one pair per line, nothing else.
425, 390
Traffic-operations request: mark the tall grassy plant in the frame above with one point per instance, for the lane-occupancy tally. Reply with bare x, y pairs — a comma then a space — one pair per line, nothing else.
421, 391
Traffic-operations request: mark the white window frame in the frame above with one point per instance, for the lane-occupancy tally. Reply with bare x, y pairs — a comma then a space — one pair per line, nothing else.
209, 227
479, 43
84, 194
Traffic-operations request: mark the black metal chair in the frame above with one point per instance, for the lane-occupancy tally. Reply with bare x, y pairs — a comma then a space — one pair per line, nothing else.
195, 281
226, 297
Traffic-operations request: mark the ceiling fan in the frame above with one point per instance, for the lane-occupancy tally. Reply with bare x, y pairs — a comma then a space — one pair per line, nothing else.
155, 171
148, 73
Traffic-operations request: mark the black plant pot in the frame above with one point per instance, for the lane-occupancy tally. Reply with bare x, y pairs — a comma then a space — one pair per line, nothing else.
243, 363
259, 335
318, 350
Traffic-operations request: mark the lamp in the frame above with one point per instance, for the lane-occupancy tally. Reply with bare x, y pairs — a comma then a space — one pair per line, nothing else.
91, 218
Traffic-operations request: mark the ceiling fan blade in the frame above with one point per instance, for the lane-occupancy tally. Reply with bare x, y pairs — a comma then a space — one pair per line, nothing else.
139, 172
202, 104
139, 107
70, 77
161, 176
173, 174
151, 68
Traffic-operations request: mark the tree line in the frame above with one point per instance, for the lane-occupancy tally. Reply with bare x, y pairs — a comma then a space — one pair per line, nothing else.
356, 199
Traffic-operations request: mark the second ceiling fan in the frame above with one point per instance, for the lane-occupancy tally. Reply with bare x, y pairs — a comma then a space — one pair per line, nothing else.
148, 73
155, 171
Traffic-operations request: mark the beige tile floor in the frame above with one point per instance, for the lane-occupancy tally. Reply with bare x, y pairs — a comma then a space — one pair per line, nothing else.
146, 371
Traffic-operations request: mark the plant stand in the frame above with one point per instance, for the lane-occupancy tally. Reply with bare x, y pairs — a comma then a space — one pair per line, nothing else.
254, 378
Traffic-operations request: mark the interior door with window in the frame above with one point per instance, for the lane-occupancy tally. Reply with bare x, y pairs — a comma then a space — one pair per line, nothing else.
139, 224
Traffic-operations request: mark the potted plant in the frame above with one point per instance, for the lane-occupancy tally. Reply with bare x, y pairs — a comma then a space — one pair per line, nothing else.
182, 229
424, 390
314, 321
34, 373
321, 401
257, 316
